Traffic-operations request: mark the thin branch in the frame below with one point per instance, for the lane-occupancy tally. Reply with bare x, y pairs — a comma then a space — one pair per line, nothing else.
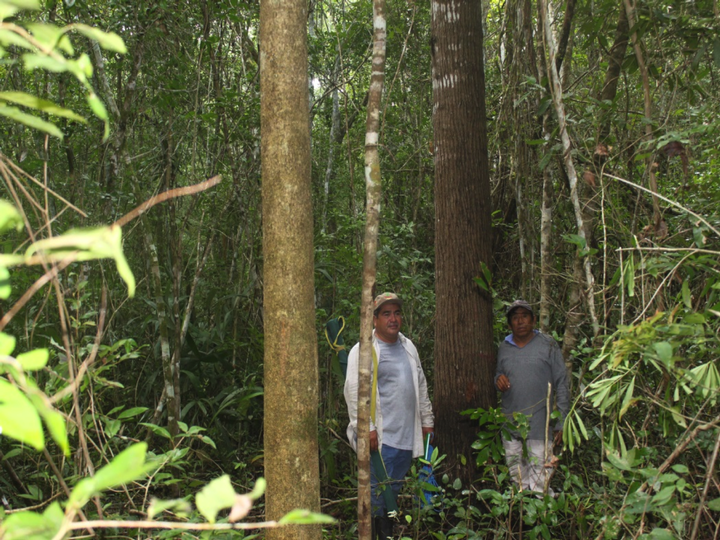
673, 203
164, 196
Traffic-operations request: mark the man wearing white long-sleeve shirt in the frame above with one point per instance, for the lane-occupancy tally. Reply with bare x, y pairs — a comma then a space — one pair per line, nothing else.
403, 412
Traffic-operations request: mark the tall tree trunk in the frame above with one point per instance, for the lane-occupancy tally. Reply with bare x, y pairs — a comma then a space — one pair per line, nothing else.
464, 348
374, 192
291, 358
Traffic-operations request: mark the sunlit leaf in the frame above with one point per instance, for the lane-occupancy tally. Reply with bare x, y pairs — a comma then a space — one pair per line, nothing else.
7, 344
27, 100
18, 418
10, 218
217, 495
40, 61
54, 421
107, 40
178, 506
34, 526
33, 360
127, 466
8, 38
97, 106
46, 34
304, 517
31, 121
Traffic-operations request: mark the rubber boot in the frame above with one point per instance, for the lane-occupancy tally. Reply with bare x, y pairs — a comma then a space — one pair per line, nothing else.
382, 528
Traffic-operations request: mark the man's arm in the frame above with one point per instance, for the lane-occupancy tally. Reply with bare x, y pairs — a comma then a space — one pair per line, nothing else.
502, 382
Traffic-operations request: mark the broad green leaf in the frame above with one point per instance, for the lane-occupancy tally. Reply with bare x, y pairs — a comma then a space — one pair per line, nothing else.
714, 505
33, 360
29, 120
46, 34
54, 421
304, 517
259, 489
97, 106
127, 466
661, 534
157, 430
716, 51
107, 40
7, 11
694, 318
618, 462
207, 440
7, 344
85, 65
27, 100
217, 495
5, 288
18, 418
686, 296
132, 412
33, 526
24, 4
178, 506
40, 61
663, 496
664, 352
10, 218
8, 38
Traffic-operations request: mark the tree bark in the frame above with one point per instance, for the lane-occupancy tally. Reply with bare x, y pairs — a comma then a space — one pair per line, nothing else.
291, 358
464, 348
373, 188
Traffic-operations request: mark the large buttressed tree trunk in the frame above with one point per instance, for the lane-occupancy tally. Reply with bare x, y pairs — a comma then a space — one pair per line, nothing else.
464, 349
291, 370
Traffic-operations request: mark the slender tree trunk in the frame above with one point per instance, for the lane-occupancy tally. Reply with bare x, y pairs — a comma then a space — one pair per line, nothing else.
647, 105
464, 348
556, 88
291, 358
546, 263
373, 188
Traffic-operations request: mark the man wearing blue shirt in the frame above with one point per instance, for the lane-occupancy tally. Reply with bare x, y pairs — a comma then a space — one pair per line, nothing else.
528, 361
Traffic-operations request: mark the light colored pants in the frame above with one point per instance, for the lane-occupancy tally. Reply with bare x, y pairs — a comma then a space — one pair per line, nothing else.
531, 472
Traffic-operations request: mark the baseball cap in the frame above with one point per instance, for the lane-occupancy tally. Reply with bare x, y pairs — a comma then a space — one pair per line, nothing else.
384, 298
519, 303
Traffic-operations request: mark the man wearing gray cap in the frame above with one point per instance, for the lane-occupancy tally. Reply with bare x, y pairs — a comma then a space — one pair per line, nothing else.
403, 412
527, 362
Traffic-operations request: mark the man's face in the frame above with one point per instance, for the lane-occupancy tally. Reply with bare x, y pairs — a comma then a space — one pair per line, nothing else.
388, 322
522, 323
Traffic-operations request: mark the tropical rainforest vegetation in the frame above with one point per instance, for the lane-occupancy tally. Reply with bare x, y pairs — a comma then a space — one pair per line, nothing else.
132, 356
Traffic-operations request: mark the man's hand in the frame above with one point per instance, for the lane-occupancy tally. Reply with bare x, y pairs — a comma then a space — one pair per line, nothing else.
431, 431
373, 441
502, 383
558, 440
